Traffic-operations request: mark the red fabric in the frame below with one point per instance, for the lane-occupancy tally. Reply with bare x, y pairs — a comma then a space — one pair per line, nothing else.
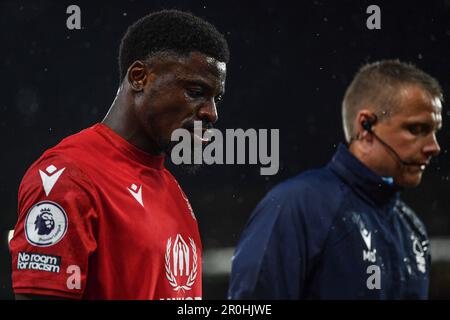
123, 250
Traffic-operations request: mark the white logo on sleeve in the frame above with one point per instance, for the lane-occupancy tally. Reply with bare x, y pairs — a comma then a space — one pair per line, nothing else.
46, 224
49, 180
137, 194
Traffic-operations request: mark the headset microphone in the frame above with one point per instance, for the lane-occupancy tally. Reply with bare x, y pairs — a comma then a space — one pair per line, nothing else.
367, 125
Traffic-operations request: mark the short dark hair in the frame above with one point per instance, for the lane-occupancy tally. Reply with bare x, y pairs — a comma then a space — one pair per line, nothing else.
170, 30
377, 85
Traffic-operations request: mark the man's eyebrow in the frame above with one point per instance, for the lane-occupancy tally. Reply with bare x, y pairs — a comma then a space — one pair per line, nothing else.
201, 82
430, 126
195, 80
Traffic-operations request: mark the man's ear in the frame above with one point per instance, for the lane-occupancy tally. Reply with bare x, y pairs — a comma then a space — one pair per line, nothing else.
137, 75
364, 115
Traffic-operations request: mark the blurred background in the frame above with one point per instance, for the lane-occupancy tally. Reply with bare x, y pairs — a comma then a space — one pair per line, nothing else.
290, 65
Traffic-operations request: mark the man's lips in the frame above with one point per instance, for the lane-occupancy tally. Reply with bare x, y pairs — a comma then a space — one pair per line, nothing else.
419, 166
201, 138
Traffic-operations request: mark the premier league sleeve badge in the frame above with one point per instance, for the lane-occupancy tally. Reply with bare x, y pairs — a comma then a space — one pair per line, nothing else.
46, 224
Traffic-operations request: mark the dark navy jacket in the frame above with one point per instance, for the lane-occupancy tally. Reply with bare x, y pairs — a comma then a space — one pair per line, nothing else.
339, 232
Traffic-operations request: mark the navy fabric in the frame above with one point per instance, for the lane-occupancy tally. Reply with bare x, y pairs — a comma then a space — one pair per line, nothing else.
330, 233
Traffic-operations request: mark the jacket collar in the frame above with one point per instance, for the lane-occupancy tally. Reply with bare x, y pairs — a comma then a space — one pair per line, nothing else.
361, 179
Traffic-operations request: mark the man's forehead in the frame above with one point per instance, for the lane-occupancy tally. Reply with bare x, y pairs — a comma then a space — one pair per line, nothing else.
195, 62
204, 65
417, 100
217, 66
437, 104
201, 67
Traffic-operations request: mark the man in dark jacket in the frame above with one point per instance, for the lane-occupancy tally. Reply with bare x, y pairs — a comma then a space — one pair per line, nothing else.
342, 232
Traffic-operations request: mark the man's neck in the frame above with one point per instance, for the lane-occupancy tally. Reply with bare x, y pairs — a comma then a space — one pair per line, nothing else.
122, 120
366, 160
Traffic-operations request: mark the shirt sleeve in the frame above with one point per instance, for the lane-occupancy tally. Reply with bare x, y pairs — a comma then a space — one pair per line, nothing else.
269, 262
55, 234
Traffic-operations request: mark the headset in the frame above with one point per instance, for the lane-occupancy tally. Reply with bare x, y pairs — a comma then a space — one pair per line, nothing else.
367, 125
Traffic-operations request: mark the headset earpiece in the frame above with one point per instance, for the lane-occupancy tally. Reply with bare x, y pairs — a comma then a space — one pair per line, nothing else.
367, 125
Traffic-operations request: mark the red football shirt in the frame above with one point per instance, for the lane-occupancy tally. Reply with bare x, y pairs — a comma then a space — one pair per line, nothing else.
101, 219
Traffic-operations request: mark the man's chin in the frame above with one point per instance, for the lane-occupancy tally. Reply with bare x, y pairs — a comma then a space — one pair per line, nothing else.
190, 169
410, 181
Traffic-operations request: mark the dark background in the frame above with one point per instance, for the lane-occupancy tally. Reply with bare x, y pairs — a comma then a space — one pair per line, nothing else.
290, 65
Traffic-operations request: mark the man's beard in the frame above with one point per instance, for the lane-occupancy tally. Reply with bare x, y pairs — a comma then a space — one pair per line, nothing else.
189, 168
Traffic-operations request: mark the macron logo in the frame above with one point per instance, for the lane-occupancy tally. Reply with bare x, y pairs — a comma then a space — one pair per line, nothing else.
366, 237
49, 178
137, 194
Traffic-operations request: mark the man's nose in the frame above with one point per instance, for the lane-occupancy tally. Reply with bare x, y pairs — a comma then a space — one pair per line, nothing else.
208, 112
432, 148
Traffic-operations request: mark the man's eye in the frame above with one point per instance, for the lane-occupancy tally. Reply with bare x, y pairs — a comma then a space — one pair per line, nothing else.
194, 93
419, 129
415, 129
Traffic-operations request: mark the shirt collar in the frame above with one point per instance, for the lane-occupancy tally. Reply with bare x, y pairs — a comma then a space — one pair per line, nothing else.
133, 152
